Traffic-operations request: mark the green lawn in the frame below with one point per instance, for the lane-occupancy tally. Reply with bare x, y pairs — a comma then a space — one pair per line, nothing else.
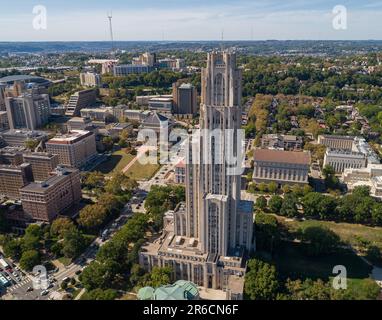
117, 161
291, 262
346, 231
65, 261
142, 172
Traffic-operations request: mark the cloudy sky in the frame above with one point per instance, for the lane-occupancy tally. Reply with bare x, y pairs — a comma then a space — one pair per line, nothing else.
190, 19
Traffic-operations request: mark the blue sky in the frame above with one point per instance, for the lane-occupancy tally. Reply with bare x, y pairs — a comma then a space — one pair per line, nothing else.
190, 19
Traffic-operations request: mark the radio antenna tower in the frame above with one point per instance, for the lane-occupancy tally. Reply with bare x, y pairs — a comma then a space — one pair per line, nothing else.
110, 17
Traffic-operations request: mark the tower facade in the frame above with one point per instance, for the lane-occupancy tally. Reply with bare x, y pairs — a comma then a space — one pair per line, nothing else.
208, 237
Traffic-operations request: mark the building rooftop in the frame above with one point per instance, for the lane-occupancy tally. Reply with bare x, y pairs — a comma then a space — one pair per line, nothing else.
24, 78
70, 137
281, 156
42, 187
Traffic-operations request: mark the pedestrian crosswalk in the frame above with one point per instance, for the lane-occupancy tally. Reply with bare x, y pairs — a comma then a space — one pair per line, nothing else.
20, 284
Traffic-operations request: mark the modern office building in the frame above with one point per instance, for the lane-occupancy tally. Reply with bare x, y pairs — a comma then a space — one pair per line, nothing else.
281, 167
79, 100
90, 79
210, 234
28, 111
281, 141
46, 200
185, 98
126, 69
341, 159
13, 178
42, 164
74, 149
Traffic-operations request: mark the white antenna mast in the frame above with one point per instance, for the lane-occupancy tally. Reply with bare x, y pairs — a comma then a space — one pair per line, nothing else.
110, 17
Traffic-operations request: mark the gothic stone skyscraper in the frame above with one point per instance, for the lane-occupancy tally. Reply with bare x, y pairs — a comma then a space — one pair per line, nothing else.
207, 238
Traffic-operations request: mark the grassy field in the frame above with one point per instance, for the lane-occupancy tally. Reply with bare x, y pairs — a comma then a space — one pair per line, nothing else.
117, 161
291, 262
142, 172
346, 231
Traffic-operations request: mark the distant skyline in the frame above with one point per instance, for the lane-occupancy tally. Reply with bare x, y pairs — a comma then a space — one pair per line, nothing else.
86, 20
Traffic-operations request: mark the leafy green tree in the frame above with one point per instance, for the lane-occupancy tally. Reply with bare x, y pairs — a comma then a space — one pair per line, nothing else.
99, 275
99, 294
120, 184
261, 203
275, 204
308, 290
263, 187
317, 205
94, 180
12, 248
60, 226
261, 281
273, 187
160, 277
92, 217
73, 244
267, 232
319, 240
289, 207
108, 143
376, 214
29, 259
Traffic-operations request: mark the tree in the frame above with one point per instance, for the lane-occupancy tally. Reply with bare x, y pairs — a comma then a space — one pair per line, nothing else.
267, 232
31, 144
99, 275
99, 294
92, 217
120, 184
94, 180
261, 281
307, 290
73, 244
289, 206
12, 248
136, 274
319, 240
272, 187
376, 214
261, 203
30, 259
263, 187
159, 277
285, 189
108, 143
60, 226
374, 255
317, 205
275, 204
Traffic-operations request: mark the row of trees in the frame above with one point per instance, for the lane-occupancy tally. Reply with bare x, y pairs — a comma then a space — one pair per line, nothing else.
357, 207
262, 282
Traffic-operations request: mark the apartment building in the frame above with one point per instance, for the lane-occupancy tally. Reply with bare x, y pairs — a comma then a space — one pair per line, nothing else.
13, 178
44, 201
74, 149
42, 164
79, 100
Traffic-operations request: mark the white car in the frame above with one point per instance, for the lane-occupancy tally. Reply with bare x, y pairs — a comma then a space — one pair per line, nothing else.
44, 293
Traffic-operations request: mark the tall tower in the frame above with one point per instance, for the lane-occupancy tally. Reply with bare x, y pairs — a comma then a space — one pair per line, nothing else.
110, 17
212, 194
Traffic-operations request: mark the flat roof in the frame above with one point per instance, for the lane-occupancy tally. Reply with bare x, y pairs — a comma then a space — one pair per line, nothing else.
280, 156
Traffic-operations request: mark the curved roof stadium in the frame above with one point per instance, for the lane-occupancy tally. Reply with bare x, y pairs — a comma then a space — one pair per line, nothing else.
25, 78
